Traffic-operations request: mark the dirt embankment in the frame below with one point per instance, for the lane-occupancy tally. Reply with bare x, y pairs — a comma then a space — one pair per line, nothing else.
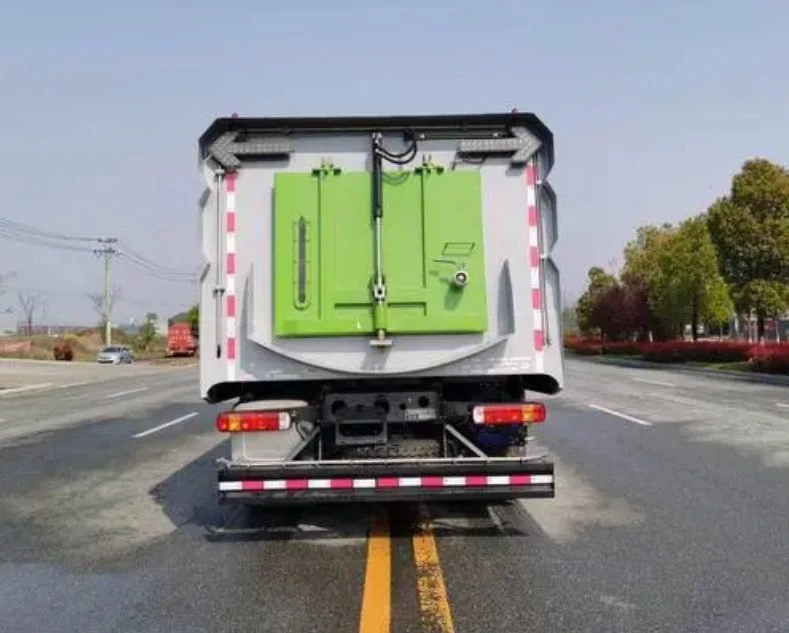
85, 345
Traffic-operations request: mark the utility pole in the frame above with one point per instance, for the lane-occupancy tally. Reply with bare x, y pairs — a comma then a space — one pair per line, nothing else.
107, 250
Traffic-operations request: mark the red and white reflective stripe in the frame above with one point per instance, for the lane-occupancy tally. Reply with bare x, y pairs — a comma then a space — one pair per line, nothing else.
231, 346
382, 483
535, 257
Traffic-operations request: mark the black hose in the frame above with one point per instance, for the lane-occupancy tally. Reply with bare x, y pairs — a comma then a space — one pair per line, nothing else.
412, 137
401, 158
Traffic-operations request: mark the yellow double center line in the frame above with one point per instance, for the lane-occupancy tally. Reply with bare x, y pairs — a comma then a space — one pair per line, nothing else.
376, 616
377, 600
433, 600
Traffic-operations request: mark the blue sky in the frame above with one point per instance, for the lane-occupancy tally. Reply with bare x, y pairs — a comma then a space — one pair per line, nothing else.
654, 105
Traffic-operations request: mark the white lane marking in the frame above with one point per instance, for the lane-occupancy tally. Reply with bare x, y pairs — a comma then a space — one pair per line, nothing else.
782, 405
74, 384
127, 393
654, 382
13, 390
183, 418
624, 416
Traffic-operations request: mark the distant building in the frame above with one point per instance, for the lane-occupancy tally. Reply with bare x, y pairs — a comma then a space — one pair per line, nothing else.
774, 329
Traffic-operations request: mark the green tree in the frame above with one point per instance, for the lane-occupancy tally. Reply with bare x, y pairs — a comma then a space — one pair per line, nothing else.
750, 228
719, 304
569, 320
193, 316
687, 284
587, 315
764, 297
642, 254
640, 277
147, 332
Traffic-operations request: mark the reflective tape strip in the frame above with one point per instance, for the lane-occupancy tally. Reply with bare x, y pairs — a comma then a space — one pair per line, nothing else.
535, 264
227, 486
364, 483
383, 483
231, 341
230, 326
272, 484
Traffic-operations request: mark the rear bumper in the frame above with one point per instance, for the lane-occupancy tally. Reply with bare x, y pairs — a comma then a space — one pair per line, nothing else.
429, 480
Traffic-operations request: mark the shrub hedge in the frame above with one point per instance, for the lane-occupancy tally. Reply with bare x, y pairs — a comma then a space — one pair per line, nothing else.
770, 358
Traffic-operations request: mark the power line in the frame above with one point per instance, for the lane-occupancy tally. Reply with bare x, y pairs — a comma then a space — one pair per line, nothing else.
27, 239
18, 232
159, 273
106, 247
25, 228
123, 257
142, 260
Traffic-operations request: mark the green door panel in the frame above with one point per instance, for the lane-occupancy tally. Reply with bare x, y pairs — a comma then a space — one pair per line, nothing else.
324, 257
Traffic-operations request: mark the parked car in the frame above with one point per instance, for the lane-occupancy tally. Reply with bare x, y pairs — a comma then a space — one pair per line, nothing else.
115, 354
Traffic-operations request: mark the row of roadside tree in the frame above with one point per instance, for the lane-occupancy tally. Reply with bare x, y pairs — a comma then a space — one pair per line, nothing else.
733, 259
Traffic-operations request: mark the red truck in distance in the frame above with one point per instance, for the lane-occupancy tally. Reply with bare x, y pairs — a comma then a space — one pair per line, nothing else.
180, 340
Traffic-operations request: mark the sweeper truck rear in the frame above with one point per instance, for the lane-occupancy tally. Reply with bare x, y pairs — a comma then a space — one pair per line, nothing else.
379, 307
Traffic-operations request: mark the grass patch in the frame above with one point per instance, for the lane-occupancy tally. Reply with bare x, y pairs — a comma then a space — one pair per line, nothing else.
730, 366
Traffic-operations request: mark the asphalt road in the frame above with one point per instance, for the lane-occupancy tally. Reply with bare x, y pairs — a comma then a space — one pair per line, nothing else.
670, 515
17, 376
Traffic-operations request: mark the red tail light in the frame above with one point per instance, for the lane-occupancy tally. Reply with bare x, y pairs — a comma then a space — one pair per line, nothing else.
526, 413
251, 421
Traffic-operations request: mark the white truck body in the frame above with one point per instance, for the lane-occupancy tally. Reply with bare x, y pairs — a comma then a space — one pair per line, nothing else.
408, 256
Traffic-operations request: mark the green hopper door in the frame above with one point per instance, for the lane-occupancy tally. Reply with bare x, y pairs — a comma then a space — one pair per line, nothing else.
324, 253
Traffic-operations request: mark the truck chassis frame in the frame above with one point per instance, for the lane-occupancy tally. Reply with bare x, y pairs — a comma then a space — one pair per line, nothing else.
305, 476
